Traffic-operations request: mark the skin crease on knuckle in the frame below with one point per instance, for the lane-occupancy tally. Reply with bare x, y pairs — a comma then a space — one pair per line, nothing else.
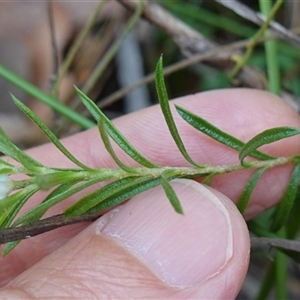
241, 112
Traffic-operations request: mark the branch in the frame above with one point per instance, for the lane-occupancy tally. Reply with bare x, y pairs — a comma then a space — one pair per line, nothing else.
258, 19
192, 42
173, 68
275, 242
42, 226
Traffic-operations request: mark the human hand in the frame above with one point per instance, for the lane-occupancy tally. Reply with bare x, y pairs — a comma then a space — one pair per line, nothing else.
144, 249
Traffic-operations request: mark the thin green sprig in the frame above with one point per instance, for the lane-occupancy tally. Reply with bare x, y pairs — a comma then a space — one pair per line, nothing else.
241, 61
271, 49
126, 181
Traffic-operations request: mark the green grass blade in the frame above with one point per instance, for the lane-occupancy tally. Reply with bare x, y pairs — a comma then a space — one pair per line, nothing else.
45, 98
135, 188
271, 51
113, 132
110, 150
281, 261
292, 225
283, 209
267, 283
51, 136
247, 192
171, 195
217, 134
294, 254
93, 199
166, 110
266, 137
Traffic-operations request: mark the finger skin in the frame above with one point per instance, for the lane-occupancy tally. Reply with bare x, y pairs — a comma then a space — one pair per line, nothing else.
240, 112
94, 265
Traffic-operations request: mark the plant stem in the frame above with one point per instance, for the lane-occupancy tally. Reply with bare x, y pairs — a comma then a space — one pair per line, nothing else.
267, 283
281, 272
26, 231
75, 46
271, 51
241, 61
112, 51
189, 172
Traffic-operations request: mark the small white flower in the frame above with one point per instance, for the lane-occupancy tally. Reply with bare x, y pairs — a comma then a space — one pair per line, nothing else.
6, 186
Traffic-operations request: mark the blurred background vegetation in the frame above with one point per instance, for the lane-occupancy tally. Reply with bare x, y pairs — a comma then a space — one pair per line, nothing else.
109, 50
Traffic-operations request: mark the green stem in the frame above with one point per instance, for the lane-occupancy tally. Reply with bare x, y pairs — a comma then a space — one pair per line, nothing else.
281, 272
271, 51
112, 51
188, 172
267, 283
240, 62
75, 46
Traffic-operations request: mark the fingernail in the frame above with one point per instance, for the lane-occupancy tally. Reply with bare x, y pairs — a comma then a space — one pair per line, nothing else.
182, 250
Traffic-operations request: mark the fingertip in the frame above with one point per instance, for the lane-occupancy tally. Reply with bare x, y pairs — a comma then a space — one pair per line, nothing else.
145, 250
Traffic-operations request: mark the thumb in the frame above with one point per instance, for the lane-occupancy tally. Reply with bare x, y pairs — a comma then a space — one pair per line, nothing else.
144, 250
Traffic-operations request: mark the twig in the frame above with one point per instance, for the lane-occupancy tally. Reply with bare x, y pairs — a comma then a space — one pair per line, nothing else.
175, 67
112, 51
55, 57
257, 18
192, 42
26, 231
243, 60
275, 242
76, 45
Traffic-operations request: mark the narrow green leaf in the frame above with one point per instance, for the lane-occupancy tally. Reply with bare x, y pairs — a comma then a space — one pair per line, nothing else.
166, 110
60, 189
283, 209
217, 134
11, 205
47, 181
247, 192
11, 150
266, 137
7, 207
6, 168
135, 188
51, 136
113, 132
18, 207
110, 150
35, 216
93, 199
170, 193
209, 178
40, 209
295, 255
9, 247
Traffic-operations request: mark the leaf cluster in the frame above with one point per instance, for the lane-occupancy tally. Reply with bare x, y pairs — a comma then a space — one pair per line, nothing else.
126, 181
